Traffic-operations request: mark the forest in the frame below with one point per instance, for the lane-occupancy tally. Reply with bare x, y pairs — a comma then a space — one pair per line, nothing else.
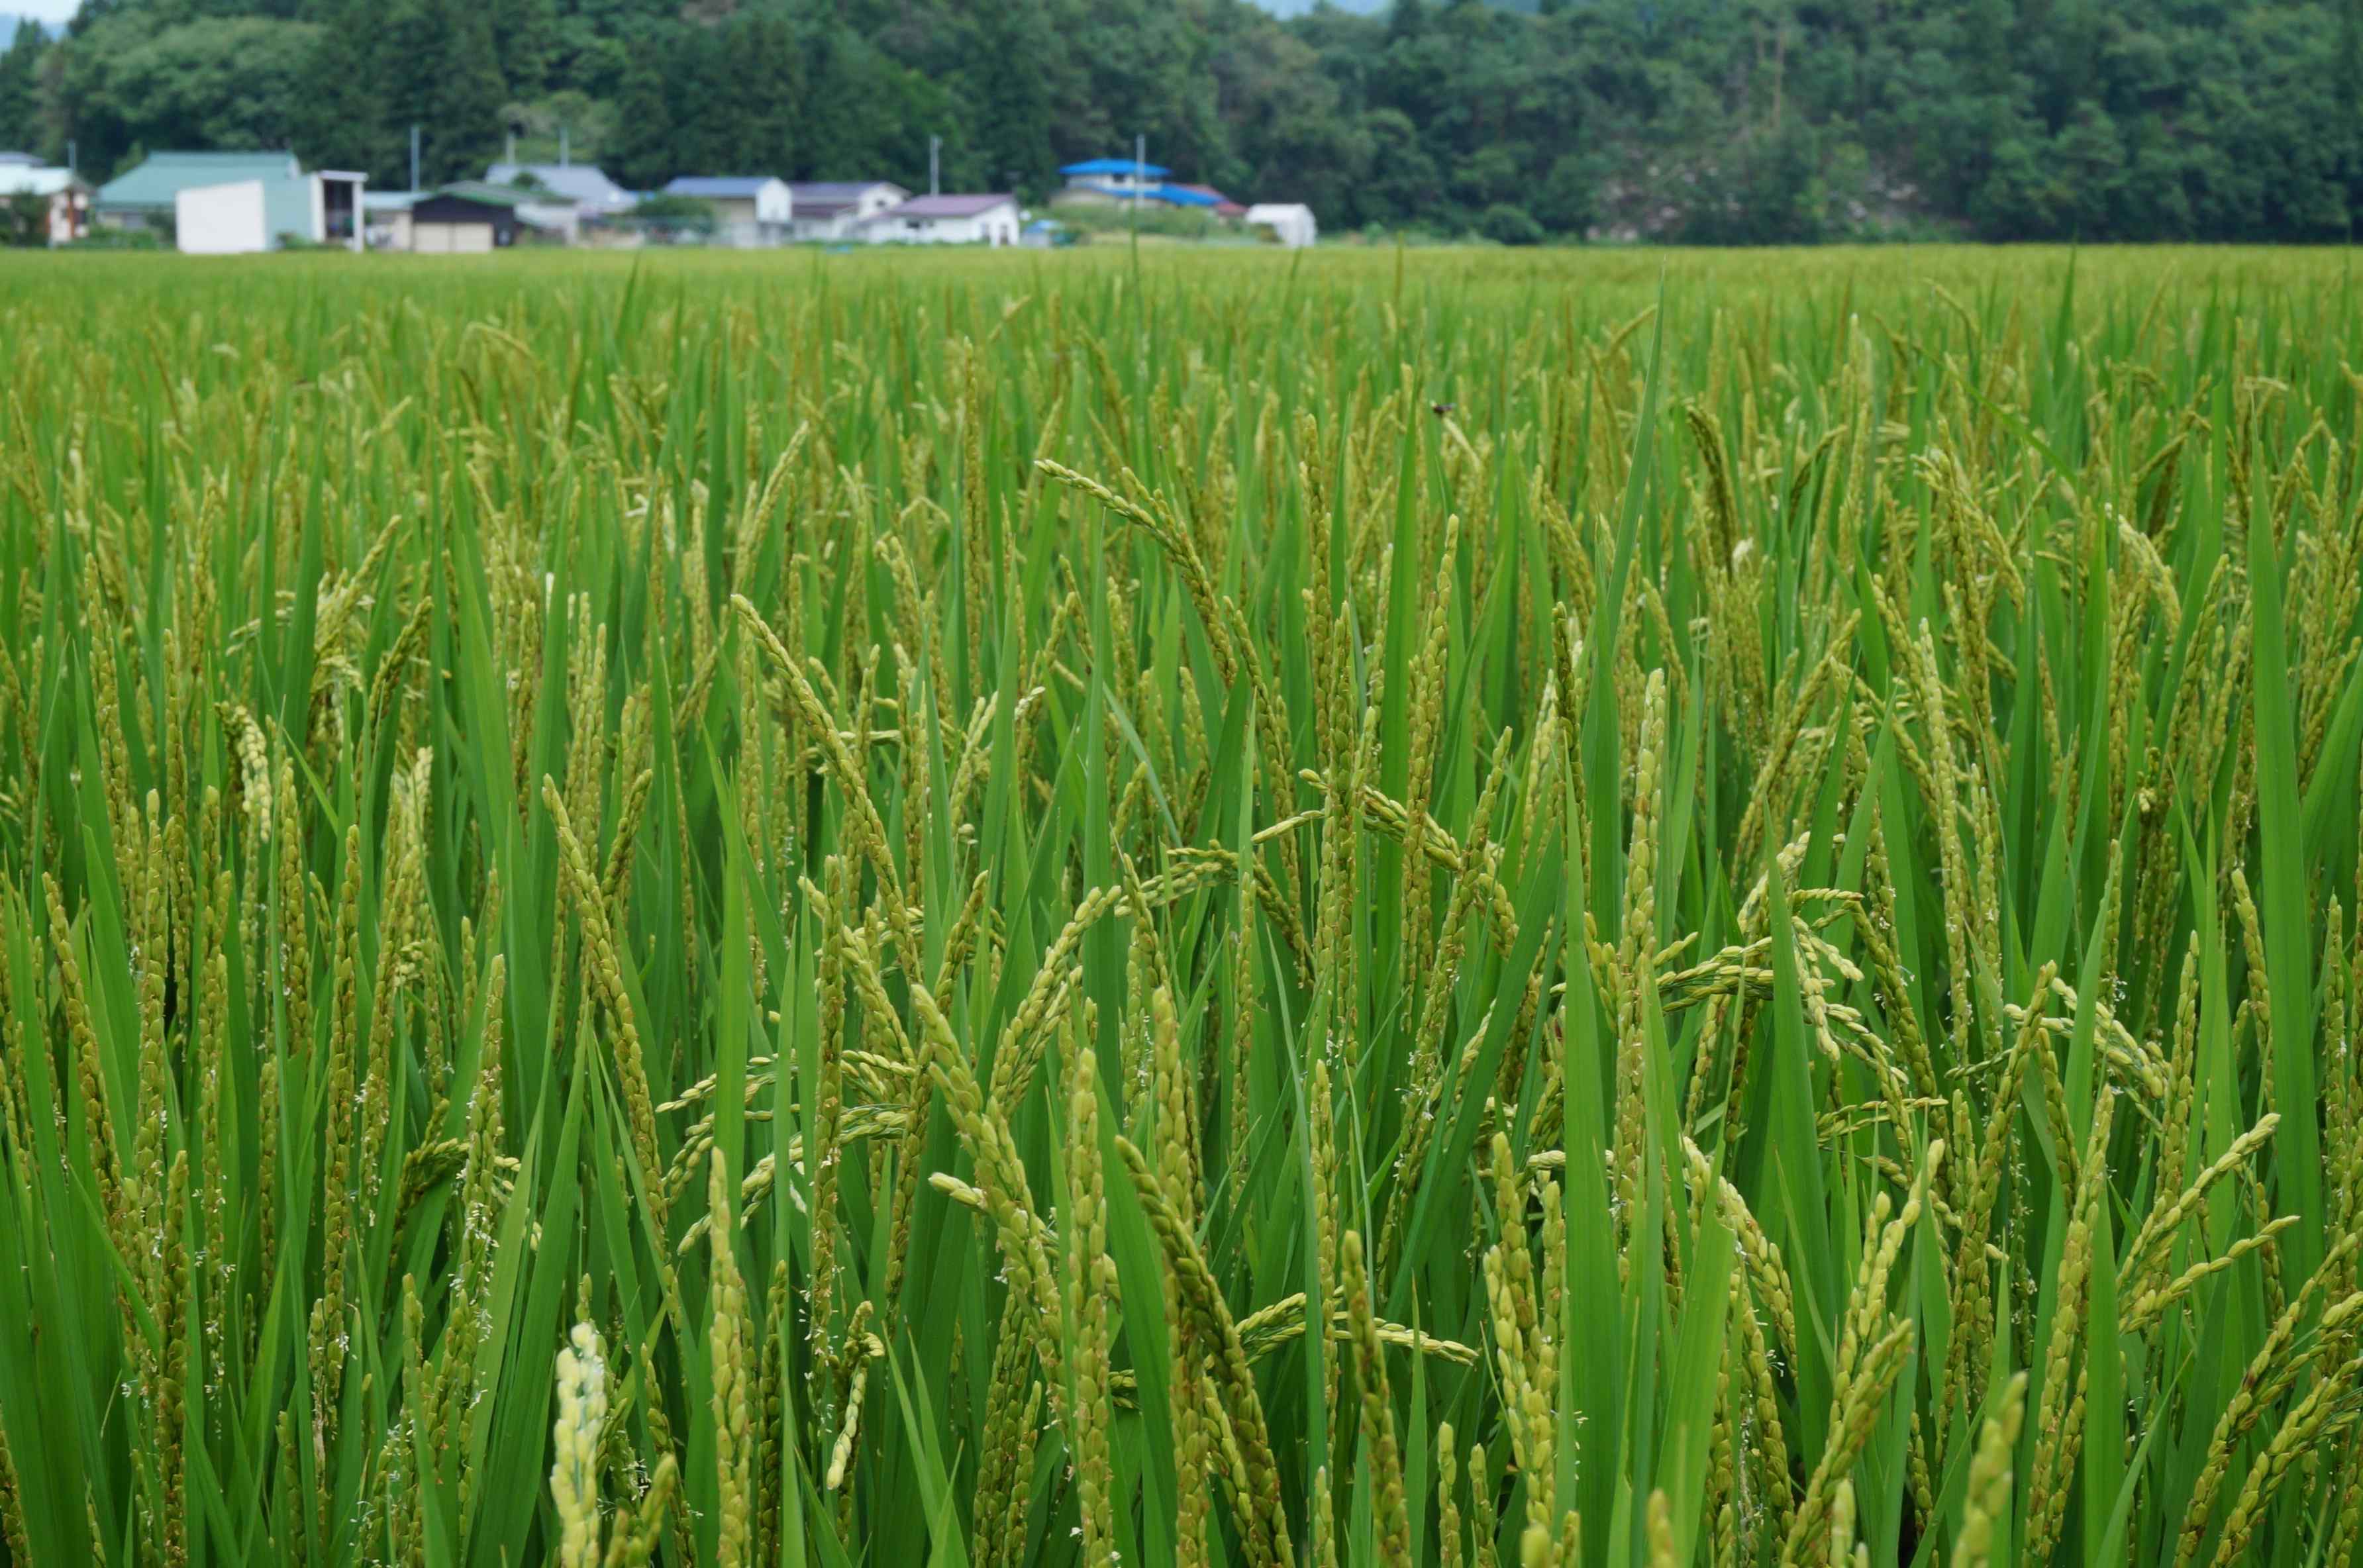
1693, 121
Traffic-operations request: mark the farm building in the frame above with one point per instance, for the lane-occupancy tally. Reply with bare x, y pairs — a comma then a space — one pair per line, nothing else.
146, 194
467, 219
240, 217
749, 210
1285, 223
66, 194
946, 220
833, 209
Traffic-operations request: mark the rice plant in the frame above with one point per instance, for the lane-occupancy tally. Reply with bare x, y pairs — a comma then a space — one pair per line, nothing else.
1202, 910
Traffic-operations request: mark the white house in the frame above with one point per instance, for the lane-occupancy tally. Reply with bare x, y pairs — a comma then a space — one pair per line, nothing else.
751, 210
240, 217
946, 220
67, 193
1287, 223
833, 209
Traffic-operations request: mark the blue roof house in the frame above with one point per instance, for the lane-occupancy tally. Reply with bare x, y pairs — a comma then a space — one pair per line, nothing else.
1100, 182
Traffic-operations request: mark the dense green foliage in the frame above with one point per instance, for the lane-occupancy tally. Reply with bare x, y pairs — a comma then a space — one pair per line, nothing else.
1748, 884
1715, 121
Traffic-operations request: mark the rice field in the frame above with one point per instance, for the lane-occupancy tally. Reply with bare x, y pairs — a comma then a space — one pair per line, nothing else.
1450, 908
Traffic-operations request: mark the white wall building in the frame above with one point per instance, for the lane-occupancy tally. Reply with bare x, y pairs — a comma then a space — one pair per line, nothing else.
240, 217
749, 211
946, 220
835, 209
1289, 222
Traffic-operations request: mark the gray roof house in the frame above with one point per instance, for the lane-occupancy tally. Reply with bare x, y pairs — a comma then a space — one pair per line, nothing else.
585, 184
830, 209
749, 210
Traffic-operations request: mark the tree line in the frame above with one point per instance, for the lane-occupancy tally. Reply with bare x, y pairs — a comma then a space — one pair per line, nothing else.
1707, 121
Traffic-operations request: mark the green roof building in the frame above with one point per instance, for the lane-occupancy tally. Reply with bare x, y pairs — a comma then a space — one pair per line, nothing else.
147, 191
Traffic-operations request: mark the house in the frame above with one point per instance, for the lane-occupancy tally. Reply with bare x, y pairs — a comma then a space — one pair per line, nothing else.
145, 194
585, 184
18, 159
1114, 181
66, 194
1283, 223
749, 210
241, 217
1102, 181
833, 209
565, 196
946, 220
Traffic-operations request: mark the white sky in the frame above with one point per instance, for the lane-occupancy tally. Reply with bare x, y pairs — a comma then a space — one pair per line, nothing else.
44, 10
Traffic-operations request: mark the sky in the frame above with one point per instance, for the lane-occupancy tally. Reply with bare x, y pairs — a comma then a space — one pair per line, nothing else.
39, 10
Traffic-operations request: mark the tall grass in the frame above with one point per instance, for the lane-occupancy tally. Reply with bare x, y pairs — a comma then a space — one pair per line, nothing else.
1179, 911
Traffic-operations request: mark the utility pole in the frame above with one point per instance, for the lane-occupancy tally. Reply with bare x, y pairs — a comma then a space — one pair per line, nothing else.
565, 149
1139, 179
935, 166
414, 157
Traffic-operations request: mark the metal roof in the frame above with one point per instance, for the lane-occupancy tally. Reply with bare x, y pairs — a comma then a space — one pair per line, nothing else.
1173, 196
723, 187
1115, 166
485, 194
945, 207
825, 198
585, 184
19, 180
162, 176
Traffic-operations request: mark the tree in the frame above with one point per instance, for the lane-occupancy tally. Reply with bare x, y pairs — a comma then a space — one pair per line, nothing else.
641, 158
228, 82
24, 221
1506, 224
342, 121
443, 80
20, 85
1015, 108
524, 42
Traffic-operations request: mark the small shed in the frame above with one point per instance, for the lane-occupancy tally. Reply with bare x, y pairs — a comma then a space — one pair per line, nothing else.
749, 210
1284, 223
466, 220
